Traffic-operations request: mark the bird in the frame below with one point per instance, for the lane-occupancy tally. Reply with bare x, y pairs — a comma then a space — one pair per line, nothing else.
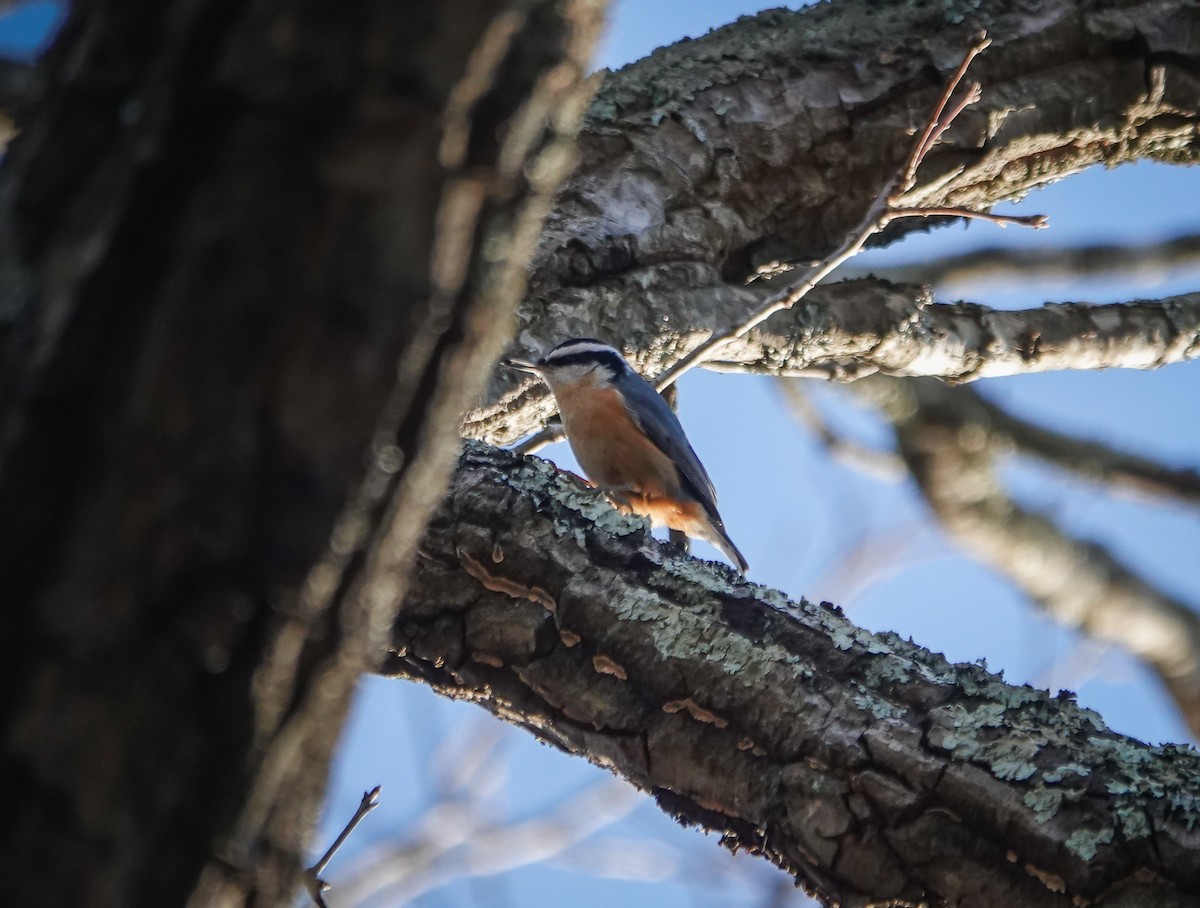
629, 442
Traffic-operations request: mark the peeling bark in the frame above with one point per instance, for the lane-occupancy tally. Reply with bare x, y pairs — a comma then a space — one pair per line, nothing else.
868, 767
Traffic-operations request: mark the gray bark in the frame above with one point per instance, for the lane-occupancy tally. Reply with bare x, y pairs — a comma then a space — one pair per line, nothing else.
856, 328
868, 767
253, 248
765, 141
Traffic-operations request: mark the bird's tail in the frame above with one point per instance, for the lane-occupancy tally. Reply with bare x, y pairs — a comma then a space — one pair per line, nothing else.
715, 533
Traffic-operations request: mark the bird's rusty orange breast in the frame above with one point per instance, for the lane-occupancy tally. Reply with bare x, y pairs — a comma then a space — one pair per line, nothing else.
612, 450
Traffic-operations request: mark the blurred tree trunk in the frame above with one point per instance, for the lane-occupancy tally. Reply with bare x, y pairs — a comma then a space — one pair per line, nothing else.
253, 247
245, 244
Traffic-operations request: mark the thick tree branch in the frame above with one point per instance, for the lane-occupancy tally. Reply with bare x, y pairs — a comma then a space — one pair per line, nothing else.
871, 769
866, 327
846, 330
765, 141
946, 438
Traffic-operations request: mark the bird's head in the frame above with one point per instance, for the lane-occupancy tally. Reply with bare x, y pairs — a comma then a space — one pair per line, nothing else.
575, 360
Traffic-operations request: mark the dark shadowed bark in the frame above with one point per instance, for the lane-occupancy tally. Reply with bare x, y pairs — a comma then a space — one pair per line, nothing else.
871, 769
256, 249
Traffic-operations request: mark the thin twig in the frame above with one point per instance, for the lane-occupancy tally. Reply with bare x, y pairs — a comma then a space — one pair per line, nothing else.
547, 436
1034, 221
973, 96
317, 887
871, 224
909, 175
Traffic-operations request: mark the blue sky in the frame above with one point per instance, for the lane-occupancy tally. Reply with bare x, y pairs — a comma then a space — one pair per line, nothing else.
25, 31
797, 515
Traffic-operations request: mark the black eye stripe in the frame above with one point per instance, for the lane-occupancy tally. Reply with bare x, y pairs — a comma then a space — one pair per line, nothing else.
606, 358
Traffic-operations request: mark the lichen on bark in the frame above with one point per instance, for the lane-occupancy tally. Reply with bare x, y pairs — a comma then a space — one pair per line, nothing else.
844, 755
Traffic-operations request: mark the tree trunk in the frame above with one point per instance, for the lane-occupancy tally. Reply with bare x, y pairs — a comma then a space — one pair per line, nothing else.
258, 245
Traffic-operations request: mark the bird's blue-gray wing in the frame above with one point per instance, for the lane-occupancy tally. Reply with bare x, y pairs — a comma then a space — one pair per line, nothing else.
655, 417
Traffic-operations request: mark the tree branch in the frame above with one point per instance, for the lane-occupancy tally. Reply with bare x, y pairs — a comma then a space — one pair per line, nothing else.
1090, 459
847, 330
859, 328
946, 438
1000, 265
870, 768
681, 196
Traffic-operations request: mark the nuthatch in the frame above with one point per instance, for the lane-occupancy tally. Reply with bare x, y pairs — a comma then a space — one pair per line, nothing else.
629, 442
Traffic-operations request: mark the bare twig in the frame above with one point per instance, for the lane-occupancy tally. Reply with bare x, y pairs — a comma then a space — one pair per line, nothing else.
542, 439
1036, 221
316, 886
481, 845
933, 130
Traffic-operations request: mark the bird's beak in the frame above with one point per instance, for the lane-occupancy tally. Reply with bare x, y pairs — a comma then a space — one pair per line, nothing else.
522, 365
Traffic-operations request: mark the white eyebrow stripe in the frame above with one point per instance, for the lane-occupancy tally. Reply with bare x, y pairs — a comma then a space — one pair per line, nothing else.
575, 349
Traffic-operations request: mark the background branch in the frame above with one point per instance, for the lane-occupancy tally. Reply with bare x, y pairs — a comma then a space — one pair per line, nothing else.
1101, 463
946, 437
1000, 265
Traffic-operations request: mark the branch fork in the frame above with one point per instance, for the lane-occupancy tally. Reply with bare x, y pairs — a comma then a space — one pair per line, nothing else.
885, 208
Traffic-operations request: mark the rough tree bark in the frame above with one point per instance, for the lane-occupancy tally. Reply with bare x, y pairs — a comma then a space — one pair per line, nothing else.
263, 246
871, 769
764, 141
